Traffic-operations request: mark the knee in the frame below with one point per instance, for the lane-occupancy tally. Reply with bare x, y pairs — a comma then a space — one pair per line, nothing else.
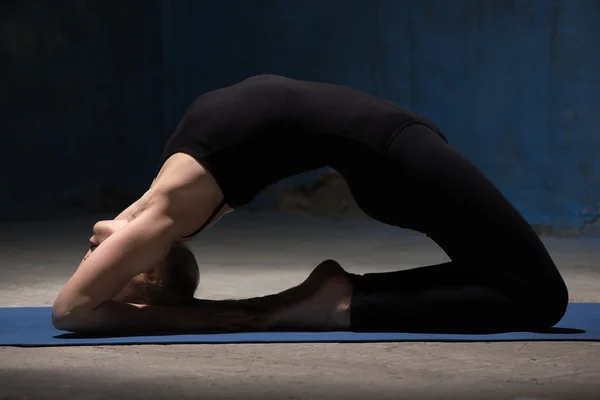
547, 303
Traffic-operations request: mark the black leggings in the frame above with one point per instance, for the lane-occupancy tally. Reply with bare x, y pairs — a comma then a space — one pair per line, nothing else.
501, 277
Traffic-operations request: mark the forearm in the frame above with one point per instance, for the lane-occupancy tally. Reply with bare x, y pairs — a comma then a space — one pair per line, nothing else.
114, 316
261, 304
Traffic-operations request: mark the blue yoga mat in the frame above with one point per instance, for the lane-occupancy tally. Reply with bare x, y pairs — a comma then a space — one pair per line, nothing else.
32, 327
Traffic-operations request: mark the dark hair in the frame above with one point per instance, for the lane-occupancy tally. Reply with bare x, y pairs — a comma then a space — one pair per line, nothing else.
173, 282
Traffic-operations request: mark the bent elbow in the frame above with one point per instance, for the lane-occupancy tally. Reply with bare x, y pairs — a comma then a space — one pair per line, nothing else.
65, 318
61, 319
69, 311
60, 322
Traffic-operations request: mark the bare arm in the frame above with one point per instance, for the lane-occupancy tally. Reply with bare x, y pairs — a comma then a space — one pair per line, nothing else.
114, 316
134, 206
85, 303
104, 272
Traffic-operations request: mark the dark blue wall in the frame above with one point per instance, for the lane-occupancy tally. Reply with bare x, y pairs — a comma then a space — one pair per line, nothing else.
81, 101
514, 84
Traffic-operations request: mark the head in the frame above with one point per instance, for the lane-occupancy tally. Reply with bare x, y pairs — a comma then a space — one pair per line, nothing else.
173, 281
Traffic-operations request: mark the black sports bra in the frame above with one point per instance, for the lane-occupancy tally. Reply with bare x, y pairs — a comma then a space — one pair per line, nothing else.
209, 220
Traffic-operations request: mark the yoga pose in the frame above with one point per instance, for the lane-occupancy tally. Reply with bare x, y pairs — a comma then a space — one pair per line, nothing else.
234, 142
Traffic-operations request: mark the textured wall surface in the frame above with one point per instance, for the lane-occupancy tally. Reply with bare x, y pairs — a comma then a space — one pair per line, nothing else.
81, 101
95, 87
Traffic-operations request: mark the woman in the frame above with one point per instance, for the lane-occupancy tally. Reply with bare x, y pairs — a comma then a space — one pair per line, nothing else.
235, 141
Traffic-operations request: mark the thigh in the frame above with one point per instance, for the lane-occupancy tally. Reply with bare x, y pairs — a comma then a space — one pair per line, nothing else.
424, 184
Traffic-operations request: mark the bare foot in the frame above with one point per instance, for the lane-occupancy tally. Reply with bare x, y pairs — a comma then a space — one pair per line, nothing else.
321, 302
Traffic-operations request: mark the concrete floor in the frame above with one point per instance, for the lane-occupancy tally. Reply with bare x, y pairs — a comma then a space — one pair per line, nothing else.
244, 257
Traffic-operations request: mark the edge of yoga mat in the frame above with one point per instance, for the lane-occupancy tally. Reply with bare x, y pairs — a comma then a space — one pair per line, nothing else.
32, 327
